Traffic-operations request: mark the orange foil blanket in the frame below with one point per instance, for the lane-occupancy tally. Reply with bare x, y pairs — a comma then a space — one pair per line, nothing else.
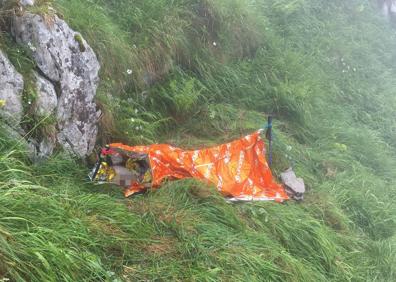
237, 169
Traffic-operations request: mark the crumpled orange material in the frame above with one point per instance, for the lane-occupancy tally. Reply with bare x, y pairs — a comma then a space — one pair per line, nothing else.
238, 169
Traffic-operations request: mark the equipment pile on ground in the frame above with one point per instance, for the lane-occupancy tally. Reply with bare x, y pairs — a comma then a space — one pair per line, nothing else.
239, 169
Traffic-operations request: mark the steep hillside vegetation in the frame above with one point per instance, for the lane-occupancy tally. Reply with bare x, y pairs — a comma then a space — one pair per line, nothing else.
199, 72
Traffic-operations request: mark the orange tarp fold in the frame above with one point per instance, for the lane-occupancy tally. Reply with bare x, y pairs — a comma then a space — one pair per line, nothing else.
238, 169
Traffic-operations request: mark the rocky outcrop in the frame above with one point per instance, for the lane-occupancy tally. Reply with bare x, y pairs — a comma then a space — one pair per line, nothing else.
68, 62
11, 88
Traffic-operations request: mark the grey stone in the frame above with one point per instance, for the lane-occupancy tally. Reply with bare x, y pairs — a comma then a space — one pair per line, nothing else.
66, 59
26, 2
40, 150
11, 88
388, 8
47, 100
294, 186
46, 148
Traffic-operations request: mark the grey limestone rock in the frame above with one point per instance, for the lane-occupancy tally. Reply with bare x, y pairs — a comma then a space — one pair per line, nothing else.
66, 60
26, 2
47, 101
11, 88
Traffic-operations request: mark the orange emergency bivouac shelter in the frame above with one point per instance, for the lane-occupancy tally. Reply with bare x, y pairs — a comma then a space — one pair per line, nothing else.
237, 169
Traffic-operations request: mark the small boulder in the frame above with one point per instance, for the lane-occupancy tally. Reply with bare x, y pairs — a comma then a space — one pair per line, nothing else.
295, 187
26, 2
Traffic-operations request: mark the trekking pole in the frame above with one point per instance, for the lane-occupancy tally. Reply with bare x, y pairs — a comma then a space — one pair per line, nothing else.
268, 135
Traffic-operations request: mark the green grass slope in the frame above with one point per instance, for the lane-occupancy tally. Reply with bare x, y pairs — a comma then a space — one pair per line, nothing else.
203, 72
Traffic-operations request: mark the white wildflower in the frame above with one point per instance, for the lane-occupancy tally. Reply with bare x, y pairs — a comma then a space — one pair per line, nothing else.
214, 44
129, 71
289, 148
136, 111
137, 127
354, 69
132, 120
31, 47
134, 46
